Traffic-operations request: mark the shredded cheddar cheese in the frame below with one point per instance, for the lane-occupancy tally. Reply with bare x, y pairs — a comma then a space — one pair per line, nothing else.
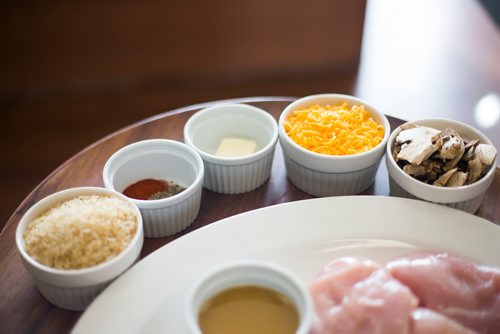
334, 129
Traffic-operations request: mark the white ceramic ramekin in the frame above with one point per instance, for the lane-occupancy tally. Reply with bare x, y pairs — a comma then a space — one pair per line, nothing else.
205, 129
249, 272
466, 198
328, 175
76, 288
159, 159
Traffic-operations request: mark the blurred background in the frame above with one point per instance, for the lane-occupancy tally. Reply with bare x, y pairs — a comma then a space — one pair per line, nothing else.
72, 72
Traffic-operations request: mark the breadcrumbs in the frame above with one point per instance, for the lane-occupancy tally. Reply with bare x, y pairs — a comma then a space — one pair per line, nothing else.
81, 232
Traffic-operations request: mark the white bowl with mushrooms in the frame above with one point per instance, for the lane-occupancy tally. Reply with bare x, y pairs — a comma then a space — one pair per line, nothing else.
441, 161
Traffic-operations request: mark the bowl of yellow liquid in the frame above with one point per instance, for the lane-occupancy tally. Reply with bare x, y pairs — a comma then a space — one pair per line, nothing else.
249, 296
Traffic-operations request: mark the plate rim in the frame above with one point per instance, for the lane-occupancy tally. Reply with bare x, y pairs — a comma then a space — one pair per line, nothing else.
242, 218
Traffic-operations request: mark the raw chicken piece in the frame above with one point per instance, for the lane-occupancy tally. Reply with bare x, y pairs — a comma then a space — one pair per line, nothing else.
334, 281
338, 277
454, 287
425, 321
357, 296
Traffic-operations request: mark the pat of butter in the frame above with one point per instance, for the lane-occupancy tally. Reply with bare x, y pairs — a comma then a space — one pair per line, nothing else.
235, 147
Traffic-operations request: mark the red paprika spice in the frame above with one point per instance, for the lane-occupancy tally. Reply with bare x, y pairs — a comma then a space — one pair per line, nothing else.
144, 189
150, 189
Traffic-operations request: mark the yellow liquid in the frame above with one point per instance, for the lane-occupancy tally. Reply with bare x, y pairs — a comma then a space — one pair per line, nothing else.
248, 310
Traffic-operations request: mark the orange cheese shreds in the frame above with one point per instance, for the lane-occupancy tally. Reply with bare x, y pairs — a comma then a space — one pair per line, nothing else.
334, 129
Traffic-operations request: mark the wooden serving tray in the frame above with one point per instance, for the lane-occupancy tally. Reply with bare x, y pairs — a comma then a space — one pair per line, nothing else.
24, 310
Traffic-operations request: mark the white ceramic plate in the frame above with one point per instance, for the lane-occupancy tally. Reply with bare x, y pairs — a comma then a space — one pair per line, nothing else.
302, 236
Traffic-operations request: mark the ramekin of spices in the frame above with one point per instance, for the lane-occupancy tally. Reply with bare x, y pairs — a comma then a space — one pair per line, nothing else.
151, 189
163, 178
332, 143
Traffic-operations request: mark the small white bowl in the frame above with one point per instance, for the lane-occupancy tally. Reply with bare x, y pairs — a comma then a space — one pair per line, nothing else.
159, 159
329, 175
204, 131
249, 272
466, 198
75, 289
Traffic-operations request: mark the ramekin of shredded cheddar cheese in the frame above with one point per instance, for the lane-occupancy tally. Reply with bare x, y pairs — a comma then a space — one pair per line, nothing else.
340, 129
332, 143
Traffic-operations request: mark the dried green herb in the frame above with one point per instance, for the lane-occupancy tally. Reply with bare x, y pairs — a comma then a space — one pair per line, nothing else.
171, 189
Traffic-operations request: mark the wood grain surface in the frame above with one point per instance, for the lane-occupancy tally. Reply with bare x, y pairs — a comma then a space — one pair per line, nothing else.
24, 310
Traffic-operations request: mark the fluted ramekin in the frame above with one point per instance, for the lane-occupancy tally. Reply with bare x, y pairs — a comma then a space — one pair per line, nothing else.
233, 175
159, 159
329, 175
249, 272
467, 198
74, 289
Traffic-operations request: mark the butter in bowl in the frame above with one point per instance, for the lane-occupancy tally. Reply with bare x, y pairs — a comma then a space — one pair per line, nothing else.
236, 143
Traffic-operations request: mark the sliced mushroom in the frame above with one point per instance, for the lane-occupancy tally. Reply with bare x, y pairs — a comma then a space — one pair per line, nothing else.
395, 152
459, 154
407, 126
480, 161
452, 150
474, 168
457, 179
418, 143
443, 179
486, 153
433, 168
441, 158
453, 145
471, 144
414, 170
433, 165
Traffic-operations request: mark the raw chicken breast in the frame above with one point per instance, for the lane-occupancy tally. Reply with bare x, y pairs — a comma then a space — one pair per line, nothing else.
337, 278
357, 296
425, 321
454, 287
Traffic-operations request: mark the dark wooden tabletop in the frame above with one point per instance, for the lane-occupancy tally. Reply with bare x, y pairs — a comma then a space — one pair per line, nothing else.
24, 310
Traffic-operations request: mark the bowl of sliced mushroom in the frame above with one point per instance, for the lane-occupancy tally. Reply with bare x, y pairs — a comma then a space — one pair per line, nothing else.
441, 161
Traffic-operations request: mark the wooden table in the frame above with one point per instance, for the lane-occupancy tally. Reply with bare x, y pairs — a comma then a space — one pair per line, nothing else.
24, 310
